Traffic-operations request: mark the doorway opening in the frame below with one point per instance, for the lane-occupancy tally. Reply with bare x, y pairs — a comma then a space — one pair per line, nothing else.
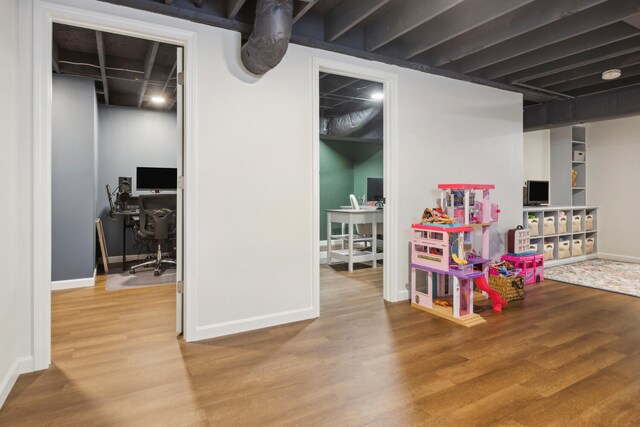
354, 177
116, 164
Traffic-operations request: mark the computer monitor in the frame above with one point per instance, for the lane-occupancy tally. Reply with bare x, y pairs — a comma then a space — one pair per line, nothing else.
375, 190
537, 193
156, 179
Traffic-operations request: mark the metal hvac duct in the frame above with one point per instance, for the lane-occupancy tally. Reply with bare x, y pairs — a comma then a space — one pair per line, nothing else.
269, 40
349, 123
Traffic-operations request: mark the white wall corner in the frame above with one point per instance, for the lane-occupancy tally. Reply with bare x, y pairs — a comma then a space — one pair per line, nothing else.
21, 365
72, 284
403, 295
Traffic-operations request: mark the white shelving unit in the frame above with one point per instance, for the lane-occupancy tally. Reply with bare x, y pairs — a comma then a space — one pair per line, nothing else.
564, 142
572, 234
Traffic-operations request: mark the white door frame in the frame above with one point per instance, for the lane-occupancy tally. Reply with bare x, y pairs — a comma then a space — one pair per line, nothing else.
93, 17
390, 168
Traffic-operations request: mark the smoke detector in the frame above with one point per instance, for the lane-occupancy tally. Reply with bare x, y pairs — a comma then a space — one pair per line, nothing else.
611, 74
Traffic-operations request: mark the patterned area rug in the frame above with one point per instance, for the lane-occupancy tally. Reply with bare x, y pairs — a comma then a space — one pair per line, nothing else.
614, 276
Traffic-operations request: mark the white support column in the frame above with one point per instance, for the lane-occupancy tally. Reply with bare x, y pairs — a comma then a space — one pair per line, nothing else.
456, 297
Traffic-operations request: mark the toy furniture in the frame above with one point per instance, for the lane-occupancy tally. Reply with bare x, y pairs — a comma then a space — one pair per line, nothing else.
518, 240
351, 217
445, 253
532, 266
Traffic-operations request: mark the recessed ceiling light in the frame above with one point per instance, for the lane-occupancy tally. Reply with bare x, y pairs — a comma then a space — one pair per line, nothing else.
377, 96
158, 99
611, 74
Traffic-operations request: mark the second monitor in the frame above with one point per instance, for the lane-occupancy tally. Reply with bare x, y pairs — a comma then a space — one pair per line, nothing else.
156, 179
375, 188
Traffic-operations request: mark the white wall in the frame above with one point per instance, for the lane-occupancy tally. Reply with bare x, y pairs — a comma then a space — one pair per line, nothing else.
613, 154
128, 138
14, 217
536, 148
254, 259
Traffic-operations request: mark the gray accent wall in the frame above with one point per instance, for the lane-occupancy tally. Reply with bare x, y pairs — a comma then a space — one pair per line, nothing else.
73, 168
128, 138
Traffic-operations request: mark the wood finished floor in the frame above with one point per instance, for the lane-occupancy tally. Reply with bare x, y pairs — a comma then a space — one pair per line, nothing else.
565, 356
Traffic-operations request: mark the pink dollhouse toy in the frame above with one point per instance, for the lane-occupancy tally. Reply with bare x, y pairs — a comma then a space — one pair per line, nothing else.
445, 254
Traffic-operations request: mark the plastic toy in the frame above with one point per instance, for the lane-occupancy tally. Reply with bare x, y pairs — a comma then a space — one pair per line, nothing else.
444, 251
531, 266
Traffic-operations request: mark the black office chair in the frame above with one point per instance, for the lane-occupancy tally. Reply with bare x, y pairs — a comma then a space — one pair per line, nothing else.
157, 223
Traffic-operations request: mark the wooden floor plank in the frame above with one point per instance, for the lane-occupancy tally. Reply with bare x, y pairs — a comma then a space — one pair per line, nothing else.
565, 355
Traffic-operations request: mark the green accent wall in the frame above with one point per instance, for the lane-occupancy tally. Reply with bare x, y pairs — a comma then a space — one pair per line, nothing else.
344, 169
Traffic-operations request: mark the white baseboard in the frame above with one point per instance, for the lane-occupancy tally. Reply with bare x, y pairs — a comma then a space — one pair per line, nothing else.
623, 258
251, 323
21, 365
73, 284
403, 295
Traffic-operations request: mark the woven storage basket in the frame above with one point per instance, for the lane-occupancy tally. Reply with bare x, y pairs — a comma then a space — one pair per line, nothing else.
509, 288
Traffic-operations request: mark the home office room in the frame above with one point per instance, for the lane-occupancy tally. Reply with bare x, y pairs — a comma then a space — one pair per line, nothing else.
114, 161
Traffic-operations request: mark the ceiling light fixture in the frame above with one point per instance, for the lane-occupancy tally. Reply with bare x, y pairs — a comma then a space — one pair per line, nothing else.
611, 74
377, 96
158, 99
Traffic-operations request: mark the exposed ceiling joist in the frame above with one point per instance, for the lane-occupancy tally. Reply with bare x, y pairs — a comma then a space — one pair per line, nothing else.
577, 44
173, 70
406, 16
463, 17
347, 15
300, 8
55, 57
148, 66
520, 21
610, 105
612, 50
588, 70
596, 79
576, 24
233, 7
102, 62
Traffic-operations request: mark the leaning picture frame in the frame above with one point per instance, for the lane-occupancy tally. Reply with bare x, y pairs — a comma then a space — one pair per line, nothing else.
103, 245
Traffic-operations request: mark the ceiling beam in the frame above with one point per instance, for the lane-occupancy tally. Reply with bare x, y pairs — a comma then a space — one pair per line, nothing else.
173, 69
596, 80
571, 26
55, 57
169, 2
300, 8
612, 50
605, 86
202, 16
150, 58
529, 94
609, 105
233, 7
583, 42
409, 14
587, 70
515, 23
102, 63
463, 17
347, 15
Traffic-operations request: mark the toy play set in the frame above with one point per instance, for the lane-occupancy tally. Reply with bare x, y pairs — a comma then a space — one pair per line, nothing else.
442, 250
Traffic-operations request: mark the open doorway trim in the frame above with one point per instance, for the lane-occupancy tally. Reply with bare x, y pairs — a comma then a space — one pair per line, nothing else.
44, 15
391, 292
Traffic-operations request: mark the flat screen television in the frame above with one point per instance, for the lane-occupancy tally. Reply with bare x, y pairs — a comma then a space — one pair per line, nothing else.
156, 179
537, 193
375, 189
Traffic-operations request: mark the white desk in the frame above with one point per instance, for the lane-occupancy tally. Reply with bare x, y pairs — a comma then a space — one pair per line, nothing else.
351, 217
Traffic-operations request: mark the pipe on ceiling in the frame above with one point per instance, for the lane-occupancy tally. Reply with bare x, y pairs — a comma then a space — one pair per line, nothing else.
349, 123
269, 40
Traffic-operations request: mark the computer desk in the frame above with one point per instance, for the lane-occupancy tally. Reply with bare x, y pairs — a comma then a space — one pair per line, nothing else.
129, 219
351, 217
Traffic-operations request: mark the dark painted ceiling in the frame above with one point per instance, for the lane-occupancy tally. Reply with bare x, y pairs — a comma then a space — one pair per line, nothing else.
549, 50
134, 69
